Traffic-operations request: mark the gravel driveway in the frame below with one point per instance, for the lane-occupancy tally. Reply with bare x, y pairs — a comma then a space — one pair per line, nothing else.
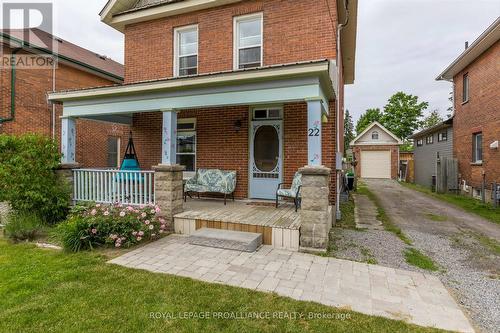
464, 245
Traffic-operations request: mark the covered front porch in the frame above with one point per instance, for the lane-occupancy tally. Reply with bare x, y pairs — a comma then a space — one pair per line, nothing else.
262, 124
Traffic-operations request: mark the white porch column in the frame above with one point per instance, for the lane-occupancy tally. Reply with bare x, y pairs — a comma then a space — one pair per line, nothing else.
314, 113
169, 138
68, 140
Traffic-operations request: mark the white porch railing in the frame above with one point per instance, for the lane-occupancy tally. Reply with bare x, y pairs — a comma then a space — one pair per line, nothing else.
114, 186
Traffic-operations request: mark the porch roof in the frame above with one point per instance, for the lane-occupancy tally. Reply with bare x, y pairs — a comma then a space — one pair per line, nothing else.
266, 85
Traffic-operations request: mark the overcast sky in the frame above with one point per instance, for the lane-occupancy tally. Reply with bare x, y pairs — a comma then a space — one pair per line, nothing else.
402, 44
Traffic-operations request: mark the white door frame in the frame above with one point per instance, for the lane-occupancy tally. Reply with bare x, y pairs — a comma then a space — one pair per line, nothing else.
251, 151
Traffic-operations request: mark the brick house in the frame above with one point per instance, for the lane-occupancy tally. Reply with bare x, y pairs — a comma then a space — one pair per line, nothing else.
254, 86
376, 151
476, 123
23, 91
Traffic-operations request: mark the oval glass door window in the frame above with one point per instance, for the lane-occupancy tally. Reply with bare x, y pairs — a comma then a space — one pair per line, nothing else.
266, 148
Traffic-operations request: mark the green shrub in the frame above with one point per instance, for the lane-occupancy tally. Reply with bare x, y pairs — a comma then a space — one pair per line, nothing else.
98, 225
27, 178
23, 226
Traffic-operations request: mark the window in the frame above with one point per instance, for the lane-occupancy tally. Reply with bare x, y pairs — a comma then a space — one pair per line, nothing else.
248, 41
113, 152
420, 142
375, 135
429, 140
477, 148
443, 136
465, 88
267, 113
186, 144
186, 51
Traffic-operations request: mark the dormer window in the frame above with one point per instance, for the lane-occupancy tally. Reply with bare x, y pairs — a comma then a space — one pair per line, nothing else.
374, 135
186, 51
248, 41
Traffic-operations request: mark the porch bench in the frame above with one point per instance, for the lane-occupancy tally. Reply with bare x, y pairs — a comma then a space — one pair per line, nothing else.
211, 181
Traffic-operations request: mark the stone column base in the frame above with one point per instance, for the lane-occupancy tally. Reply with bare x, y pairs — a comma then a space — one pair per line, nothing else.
65, 173
168, 190
315, 213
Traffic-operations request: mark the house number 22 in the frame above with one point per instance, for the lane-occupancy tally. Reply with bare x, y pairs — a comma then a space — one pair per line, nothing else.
314, 132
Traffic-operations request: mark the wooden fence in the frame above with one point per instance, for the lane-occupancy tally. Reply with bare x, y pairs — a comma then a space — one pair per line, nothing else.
114, 186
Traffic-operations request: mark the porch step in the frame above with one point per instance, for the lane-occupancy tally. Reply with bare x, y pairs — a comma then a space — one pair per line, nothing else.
226, 239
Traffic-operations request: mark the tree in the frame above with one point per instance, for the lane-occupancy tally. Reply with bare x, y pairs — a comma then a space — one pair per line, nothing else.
367, 118
432, 119
402, 114
348, 130
452, 106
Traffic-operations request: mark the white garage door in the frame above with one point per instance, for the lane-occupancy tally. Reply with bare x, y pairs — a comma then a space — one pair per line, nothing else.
376, 164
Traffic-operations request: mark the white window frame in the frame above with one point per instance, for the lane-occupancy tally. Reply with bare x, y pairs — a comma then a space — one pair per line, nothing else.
189, 174
118, 150
443, 136
177, 32
429, 140
465, 88
475, 148
267, 109
236, 39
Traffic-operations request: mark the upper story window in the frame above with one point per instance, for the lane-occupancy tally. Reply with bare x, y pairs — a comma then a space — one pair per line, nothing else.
186, 51
477, 148
248, 41
429, 140
375, 135
420, 142
465, 88
443, 136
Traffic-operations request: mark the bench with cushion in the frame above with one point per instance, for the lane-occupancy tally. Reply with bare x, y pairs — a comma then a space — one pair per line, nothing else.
211, 181
293, 192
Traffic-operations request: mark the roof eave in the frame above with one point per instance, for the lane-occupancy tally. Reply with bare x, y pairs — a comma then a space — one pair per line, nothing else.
489, 37
348, 38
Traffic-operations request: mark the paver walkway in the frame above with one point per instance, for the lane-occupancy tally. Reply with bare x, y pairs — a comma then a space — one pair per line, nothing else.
370, 289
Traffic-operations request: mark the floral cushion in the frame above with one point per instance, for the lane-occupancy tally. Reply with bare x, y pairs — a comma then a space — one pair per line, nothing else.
212, 180
292, 192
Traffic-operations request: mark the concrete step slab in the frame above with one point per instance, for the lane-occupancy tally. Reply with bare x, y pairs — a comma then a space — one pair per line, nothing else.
226, 239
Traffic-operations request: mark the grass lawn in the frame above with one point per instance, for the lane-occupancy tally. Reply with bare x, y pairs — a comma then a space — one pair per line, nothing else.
468, 204
418, 259
51, 291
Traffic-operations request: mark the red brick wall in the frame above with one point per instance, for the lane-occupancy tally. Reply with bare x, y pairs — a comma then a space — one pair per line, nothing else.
219, 145
34, 114
293, 31
480, 114
394, 158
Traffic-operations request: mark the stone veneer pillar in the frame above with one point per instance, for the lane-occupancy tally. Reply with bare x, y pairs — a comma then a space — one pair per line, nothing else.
168, 190
65, 173
315, 213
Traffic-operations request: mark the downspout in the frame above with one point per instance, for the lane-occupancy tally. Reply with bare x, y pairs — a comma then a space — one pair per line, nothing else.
339, 69
12, 89
54, 59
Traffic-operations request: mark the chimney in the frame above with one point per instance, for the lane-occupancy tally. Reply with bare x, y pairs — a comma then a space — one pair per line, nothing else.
466, 45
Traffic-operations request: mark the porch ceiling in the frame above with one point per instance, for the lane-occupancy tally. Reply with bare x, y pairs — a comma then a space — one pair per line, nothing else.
281, 84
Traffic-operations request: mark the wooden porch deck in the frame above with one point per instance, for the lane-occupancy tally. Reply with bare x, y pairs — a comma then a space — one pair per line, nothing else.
279, 226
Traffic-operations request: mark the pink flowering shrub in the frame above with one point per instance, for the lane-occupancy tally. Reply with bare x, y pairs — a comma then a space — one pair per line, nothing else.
112, 225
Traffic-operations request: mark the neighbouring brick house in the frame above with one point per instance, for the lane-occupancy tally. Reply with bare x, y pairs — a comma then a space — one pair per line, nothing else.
376, 152
23, 92
476, 124
253, 86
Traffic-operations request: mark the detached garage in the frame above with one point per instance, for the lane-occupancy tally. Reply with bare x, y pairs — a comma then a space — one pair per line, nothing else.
376, 151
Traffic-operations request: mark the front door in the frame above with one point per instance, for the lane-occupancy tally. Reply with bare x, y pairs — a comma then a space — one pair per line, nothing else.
266, 158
